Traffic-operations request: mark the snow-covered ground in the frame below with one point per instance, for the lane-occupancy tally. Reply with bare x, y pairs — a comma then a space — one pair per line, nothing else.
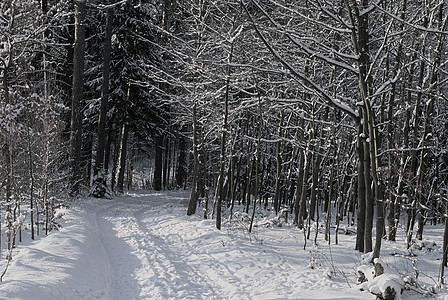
143, 246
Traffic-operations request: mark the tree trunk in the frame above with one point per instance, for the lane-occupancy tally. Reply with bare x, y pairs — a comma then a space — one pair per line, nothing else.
254, 206
278, 176
171, 154
279, 165
329, 197
44, 6
315, 181
426, 140
192, 203
392, 224
181, 172
115, 156
339, 200
166, 163
445, 247
158, 163
107, 151
130, 168
219, 194
249, 175
32, 183
361, 212
77, 96
414, 160
86, 157
122, 157
168, 6
394, 202
257, 162
370, 142
7, 147
300, 175
233, 161
99, 170
304, 183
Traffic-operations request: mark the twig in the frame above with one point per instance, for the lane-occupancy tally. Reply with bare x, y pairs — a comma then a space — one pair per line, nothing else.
9, 256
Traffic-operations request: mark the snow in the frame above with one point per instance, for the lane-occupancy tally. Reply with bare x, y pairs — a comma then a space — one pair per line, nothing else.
378, 285
144, 246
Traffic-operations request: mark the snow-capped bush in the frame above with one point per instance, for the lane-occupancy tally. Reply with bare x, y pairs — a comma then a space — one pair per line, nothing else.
380, 280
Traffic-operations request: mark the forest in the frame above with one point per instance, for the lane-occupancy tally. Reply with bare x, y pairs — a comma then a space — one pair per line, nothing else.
329, 111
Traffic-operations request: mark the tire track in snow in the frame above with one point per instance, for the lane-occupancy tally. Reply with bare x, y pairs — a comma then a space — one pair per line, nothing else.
152, 264
189, 264
158, 252
194, 274
121, 264
110, 290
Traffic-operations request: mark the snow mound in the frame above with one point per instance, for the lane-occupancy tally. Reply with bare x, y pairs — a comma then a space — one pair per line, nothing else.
67, 262
381, 280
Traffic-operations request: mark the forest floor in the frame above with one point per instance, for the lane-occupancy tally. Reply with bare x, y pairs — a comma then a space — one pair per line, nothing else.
143, 246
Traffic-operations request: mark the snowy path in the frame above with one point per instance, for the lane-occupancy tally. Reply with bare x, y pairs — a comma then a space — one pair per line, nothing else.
166, 260
140, 226
157, 252
143, 246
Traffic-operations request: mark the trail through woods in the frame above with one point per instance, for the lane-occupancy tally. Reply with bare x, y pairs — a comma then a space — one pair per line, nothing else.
171, 256
143, 246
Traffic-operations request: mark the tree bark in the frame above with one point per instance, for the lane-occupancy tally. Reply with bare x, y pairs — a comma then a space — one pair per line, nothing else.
279, 167
314, 184
444, 247
249, 176
77, 96
329, 196
306, 168
219, 188
44, 6
412, 211
7, 147
122, 157
361, 212
166, 162
86, 157
257, 162
181, 172
158, 163
394, 202
99, 168
107, 150
361, 45
392, 224
115, 156
192, 203
32, 183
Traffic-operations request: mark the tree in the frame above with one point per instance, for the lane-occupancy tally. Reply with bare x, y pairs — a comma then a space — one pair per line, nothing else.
31, 108
334, 57
122, 155
99, 173
77, 95
158, 163
194, 195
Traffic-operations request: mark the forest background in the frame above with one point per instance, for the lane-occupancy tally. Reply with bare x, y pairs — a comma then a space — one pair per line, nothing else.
337, 107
